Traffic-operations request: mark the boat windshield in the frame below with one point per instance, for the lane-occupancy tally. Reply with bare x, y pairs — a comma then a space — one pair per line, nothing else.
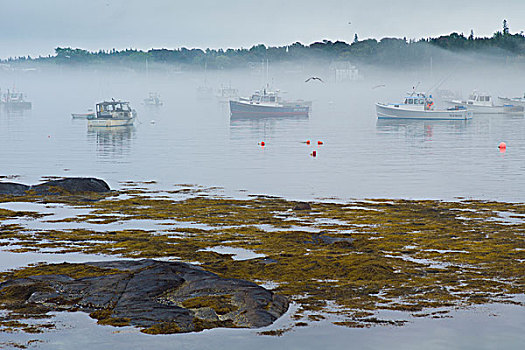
414, 101
268, 98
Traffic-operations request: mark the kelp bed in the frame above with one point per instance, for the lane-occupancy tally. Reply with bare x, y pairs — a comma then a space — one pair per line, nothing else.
341, 261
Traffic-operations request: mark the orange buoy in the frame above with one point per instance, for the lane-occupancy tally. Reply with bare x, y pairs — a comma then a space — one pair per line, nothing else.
319, 142
307, 142
314, 154
262, 143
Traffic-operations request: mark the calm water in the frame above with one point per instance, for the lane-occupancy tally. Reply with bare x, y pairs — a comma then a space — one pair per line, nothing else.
488, 327
194, 141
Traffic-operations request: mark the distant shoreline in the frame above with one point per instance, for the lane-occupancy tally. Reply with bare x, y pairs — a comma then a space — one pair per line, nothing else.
386, 51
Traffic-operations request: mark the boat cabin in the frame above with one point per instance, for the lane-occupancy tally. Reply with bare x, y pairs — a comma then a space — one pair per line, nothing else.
479, 98
264, 97
417, 99
13, 97
153, 99
113, 109
228, 92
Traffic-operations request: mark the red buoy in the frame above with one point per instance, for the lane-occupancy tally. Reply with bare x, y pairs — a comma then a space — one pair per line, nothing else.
262, 143
314, 154
307, 142
502, 145
319, 142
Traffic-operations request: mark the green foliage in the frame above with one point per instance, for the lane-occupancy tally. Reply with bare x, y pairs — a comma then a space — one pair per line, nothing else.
387, 51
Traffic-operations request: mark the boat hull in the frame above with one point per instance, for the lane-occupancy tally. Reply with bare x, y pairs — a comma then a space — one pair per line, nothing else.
477, 109
246, 109
512, 101
392, 112
110, 122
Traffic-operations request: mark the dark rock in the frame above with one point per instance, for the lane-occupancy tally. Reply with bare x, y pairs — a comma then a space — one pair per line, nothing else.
150, 293
71, 185
11, 188
332, 240
302, 206
322, 238
267, 261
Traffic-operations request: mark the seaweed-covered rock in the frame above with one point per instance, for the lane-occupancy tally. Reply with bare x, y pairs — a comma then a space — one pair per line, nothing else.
158, 296
70, 185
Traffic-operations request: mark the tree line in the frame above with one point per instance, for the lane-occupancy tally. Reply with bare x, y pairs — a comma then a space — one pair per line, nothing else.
387, 51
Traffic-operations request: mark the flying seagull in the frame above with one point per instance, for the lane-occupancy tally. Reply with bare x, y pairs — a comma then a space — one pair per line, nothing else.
314, 78
378, 86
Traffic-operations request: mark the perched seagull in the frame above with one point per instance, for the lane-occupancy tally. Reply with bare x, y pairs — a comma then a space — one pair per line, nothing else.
314, 78
378, 86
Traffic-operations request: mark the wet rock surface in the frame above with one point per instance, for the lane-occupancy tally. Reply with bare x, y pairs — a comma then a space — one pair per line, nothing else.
302, 206
70, 185
159, 297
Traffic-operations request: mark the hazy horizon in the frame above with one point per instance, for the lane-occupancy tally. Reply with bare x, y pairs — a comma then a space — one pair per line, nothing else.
31, 27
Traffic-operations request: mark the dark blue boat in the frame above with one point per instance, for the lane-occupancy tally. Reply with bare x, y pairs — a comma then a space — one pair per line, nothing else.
266, 104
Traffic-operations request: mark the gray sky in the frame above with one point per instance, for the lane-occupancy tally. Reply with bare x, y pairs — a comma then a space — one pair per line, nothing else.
36, 27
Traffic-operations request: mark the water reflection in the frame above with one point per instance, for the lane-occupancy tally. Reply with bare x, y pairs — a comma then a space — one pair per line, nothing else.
14, 111
113, 141
421, 128
262, 126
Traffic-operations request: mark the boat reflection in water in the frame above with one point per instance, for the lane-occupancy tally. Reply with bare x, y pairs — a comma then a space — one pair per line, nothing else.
247, 127
420, 128
112, 142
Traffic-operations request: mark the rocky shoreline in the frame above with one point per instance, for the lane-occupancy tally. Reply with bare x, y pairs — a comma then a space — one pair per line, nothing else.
342, 262
157, 296
70, 185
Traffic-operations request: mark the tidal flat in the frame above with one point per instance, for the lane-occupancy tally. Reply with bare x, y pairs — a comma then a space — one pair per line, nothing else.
351, 264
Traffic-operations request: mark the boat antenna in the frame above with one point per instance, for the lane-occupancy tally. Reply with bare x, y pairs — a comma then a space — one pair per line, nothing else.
439, 83
414, 88
267, 70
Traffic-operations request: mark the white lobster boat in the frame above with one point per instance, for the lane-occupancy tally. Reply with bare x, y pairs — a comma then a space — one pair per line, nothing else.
482, 103
516, 101
14, 100
226, 94
153, 100
113, 113
419, 106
